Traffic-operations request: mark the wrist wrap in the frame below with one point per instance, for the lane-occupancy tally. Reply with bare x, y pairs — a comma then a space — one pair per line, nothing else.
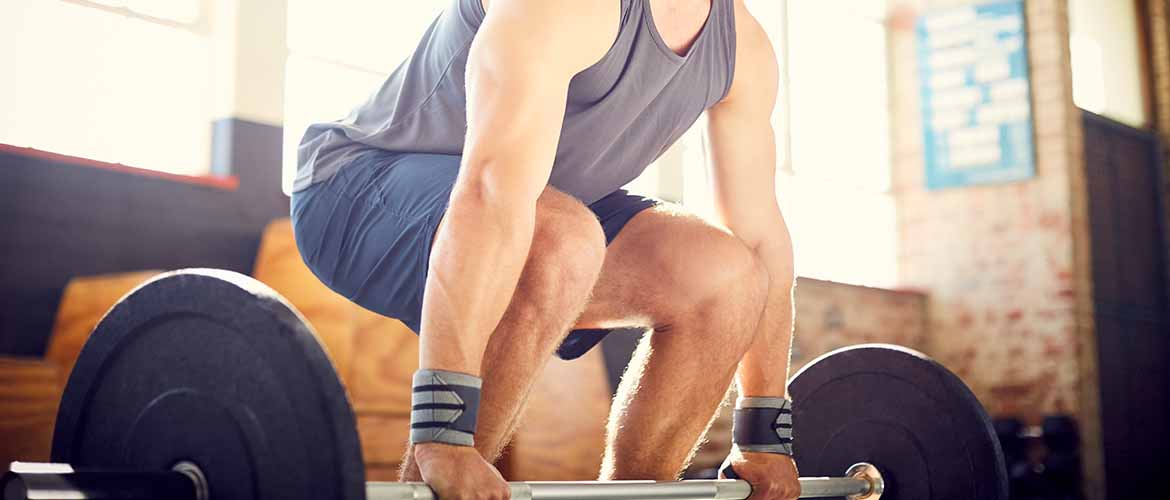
444, 407
763, 425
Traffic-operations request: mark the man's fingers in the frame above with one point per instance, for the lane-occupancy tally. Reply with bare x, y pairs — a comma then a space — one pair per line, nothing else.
763, 486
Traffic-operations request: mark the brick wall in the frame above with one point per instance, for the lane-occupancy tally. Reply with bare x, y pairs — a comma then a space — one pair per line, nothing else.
833, 315
1005, 265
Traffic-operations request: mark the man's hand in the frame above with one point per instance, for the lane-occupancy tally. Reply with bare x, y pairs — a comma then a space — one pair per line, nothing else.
459, 473
772, 476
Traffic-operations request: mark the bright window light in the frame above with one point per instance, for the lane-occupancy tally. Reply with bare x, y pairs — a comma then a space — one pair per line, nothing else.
1107, 60
834, 198
1088, 78
179, 11
840, 214
840, 108
339, 53
105, 86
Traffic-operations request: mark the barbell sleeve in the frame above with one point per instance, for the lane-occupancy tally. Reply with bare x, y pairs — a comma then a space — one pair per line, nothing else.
46, 481
34, 481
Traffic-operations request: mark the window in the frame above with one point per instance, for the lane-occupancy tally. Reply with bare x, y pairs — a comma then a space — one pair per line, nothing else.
842, 217
1106, 60
123, 81
339, 53
833, 136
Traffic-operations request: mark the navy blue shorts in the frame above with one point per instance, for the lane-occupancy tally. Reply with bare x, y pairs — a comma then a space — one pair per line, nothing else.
366, 232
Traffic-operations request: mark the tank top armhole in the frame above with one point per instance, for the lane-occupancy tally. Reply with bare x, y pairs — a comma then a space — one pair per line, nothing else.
732, 51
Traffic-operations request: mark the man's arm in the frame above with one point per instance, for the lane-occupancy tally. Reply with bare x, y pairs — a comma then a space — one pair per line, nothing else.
518, 73
743, 162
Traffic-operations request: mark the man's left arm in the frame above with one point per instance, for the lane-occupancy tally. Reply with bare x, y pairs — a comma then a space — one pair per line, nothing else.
743, 164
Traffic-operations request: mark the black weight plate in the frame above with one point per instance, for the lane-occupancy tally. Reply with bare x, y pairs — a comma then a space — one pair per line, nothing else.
214, 368
904, 413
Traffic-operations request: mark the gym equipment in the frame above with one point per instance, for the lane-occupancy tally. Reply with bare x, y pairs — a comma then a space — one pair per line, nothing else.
903, 412
212, 368
59, 482
206, 385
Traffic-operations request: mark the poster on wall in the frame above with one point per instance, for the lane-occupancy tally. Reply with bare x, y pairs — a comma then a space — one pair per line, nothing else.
976, 95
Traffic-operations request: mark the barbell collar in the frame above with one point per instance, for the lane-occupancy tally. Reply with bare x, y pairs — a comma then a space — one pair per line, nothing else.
38, 481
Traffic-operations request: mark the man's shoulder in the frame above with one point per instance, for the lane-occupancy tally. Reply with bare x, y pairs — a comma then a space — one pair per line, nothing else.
750, 34
575, 29
756, 73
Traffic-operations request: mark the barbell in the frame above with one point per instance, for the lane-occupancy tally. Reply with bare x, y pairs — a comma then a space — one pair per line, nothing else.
207, 385
50, 481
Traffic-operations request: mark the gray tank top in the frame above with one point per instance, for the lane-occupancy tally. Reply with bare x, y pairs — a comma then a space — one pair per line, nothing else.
622, 113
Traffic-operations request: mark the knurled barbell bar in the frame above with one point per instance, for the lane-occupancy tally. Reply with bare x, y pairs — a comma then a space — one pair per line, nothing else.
51, 481
207, 385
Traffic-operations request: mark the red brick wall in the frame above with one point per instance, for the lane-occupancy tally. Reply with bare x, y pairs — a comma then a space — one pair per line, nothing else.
834, 315
1005, 265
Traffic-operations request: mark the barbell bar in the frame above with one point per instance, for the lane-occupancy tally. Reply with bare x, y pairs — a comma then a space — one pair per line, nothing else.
52, 481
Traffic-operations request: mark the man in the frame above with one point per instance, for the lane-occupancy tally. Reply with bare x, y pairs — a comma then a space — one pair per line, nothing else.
476, 197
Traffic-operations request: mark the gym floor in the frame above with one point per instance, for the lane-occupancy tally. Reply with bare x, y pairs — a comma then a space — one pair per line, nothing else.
981, 181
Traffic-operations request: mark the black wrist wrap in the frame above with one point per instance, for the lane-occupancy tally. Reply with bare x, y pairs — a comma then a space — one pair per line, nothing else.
763, 425
444, 407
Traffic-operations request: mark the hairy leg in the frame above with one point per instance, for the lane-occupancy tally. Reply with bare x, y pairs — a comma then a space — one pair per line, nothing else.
702, 292
568, 249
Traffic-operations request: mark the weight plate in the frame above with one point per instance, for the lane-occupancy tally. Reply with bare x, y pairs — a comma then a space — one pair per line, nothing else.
214, 368
904, 413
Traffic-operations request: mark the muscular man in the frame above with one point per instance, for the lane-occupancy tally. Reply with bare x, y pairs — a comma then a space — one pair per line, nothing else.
476, 197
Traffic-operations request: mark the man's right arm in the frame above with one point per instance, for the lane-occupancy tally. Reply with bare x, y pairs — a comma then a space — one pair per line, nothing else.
518, 73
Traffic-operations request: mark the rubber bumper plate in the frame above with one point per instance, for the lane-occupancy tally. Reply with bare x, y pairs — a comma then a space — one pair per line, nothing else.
904, 413
212, 368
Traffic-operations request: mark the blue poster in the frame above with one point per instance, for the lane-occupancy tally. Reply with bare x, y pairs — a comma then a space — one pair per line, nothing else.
976, 95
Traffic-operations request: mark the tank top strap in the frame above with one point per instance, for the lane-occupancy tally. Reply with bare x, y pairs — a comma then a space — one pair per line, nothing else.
627, 6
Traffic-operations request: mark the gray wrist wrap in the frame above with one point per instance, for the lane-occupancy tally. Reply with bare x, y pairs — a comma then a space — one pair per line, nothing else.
444, 407
763, 425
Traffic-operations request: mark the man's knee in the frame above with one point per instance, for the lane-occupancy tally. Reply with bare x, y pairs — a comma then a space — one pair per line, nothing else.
709, 275
568, 245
